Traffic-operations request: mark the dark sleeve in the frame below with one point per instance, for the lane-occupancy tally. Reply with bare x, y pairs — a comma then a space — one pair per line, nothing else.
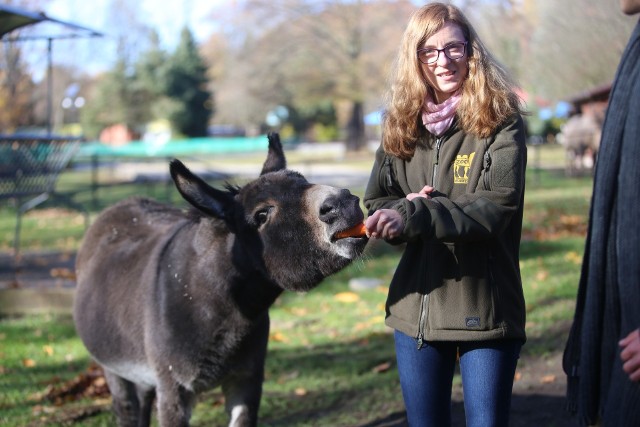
382, 190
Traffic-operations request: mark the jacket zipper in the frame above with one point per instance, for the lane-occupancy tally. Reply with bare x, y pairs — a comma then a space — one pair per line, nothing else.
387, 167
435, 162
486, 166
423, 318
424, 308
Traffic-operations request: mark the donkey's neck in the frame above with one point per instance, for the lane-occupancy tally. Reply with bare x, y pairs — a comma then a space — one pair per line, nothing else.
253, 295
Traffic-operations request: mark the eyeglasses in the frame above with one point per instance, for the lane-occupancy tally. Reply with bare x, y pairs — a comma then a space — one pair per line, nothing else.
431, 55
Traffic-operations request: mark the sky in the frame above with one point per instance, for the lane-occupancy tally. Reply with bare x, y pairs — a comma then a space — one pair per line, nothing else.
166, 16
98, 54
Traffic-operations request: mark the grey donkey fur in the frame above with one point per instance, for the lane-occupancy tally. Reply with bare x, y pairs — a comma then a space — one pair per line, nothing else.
171, 303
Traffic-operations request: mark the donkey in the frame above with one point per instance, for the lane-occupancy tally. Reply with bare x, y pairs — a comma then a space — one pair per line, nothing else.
171, 303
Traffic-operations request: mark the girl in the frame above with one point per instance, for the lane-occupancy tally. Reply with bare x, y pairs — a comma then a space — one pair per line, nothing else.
448, 180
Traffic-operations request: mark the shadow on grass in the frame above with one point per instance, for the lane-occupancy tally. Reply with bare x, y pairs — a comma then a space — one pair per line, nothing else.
535, 248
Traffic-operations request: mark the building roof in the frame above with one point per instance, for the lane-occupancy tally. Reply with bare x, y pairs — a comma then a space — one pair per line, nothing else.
598, 93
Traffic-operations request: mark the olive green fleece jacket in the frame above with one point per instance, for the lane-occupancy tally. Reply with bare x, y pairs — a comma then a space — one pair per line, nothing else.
459, 276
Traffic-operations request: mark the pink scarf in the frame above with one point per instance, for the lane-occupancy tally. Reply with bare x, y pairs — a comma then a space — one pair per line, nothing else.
437, 118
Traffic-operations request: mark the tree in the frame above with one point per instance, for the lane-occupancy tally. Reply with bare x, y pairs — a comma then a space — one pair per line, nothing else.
185, 82
150, 73
571, 55
303, 54
117, 98
16, 87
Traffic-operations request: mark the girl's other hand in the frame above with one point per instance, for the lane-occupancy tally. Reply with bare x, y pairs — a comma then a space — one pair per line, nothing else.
425, 192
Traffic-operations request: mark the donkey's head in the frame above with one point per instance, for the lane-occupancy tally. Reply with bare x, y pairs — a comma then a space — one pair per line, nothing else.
283, 227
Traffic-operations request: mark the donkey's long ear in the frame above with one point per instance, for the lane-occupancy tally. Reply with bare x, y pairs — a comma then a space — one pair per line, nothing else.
201, 195
275, 159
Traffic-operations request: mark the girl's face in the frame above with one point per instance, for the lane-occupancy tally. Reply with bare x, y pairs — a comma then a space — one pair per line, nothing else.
445, 75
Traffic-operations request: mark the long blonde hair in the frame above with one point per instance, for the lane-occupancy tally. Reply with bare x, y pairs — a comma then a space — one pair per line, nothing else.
488, 92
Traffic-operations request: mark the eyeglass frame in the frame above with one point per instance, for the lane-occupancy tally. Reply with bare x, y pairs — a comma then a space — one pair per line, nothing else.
443, 50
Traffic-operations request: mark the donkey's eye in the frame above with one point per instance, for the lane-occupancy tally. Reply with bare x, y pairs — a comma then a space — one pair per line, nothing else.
261, 216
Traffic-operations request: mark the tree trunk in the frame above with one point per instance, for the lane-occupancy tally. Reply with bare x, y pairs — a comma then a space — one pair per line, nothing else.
355, 128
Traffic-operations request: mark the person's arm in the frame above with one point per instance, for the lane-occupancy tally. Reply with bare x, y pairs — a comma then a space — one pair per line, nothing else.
478, 215
630, 355
382, 190
381, 194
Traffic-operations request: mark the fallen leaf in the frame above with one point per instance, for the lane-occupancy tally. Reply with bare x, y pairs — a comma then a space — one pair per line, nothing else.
372, 322
571, 220
278, 337
361, 326
572, 256
28, 363
63, 273
548, 379
40, 410
383, 367
90, 383
48, 350
346, 297
300, 391
542, 275
298, 311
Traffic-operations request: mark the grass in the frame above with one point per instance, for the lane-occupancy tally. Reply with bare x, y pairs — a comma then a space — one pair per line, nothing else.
331, 359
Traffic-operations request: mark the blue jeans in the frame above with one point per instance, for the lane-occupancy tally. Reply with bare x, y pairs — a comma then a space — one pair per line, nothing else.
426, 377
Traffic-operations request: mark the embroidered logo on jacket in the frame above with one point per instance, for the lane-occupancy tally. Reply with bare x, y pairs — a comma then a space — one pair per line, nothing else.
461, 168
472, 322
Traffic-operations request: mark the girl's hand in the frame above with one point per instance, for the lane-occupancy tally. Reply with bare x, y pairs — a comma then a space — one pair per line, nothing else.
426, 190
384, 224
630, 355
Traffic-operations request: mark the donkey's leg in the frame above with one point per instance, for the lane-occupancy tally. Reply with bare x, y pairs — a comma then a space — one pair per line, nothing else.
126, 405
145, 397
242, 399
174, 404
242, 388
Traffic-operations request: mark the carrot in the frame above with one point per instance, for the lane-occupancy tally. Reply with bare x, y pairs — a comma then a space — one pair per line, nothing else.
356, 231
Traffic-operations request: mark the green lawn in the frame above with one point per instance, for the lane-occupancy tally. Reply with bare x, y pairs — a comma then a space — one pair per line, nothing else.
330, 360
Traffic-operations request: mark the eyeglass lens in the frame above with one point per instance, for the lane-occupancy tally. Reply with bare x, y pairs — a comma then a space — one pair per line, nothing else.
453, 51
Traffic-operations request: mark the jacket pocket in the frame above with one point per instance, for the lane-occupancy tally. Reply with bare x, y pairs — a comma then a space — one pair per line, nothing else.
466, 298
388, 178
407, 288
